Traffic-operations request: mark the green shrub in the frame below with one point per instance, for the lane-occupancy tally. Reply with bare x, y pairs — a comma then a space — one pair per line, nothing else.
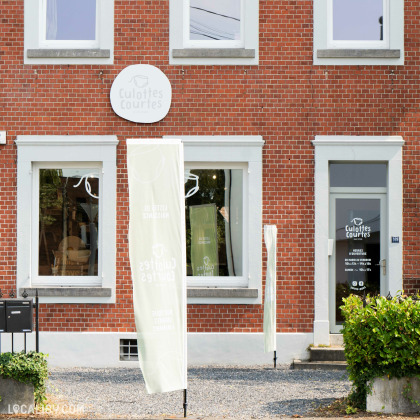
28, 368
382, 338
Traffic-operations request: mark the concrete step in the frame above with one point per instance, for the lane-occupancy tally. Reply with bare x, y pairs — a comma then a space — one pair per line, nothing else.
300, 365
327, 354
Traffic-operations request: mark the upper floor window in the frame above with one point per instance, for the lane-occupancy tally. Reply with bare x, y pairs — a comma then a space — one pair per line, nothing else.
69, 22
359, 32
214, 23
214, 32
358, 23
69, 32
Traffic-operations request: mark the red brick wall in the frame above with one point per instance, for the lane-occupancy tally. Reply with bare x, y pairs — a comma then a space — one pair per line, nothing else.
285, 99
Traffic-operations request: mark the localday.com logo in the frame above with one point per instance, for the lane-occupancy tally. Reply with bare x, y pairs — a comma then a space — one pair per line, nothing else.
357, 229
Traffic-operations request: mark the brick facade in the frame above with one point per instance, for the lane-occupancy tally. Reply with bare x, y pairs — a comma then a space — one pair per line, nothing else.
285, 99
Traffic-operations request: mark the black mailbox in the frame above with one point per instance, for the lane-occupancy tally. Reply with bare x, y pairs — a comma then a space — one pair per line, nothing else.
19, 315
2, 316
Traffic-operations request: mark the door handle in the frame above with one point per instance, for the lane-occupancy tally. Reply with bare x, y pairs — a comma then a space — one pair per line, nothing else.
382, 263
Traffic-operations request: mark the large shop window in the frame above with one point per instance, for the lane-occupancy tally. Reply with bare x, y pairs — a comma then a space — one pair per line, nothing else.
69, 32
214, 215
223, 210
66, 232
66, 215
213, 32
359, 32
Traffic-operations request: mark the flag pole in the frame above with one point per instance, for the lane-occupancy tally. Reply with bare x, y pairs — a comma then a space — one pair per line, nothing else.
275, 359
185, 403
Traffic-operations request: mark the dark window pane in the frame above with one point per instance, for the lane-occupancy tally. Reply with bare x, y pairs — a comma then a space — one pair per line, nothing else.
214, 220
358, 174
68, 222
357, 235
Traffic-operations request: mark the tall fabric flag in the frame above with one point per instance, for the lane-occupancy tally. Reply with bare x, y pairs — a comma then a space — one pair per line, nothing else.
157, 258
270, 239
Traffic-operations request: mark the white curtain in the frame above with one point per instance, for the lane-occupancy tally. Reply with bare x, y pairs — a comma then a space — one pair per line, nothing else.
51, 20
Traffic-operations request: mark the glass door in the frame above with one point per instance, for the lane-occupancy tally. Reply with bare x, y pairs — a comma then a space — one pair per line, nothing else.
358, 257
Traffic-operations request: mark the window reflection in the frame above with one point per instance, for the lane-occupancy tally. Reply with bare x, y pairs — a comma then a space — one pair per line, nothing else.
71, 20
68, 222
215, 20
358, 20
358, 174
214, 220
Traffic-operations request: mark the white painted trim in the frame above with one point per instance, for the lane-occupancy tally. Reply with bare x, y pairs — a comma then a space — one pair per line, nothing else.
33, 24
348, 148
321, 37
66, 149
177, 22
247, 150
100, 350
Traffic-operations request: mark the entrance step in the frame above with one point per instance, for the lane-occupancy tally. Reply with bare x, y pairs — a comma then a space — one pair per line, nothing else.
327, 354
326, 358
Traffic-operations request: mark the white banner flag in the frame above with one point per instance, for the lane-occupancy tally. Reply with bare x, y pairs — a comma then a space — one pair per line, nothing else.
157, 258
270, 239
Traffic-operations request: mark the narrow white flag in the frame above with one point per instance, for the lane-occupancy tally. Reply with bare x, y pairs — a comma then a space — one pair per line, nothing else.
270, 239
157, 258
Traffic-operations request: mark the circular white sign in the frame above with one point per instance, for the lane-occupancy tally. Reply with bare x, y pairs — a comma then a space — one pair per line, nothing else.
141, 93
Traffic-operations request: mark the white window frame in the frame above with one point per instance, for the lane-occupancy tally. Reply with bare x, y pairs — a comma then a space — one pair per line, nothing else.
386, 149
63, 44
358, 44
203, 52
234, 152
36, 152
37, 50
211, 43
83, 281
390, 51
226, 281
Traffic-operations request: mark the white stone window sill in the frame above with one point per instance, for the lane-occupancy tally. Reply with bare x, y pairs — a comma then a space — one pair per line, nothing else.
213, 53
218, 292
68, 53
358, 53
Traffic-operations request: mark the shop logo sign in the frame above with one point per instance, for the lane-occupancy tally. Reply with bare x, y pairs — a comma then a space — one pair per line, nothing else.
141, 93
357, 230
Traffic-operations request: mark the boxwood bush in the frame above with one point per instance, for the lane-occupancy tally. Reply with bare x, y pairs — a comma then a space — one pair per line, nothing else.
28, 368
381, 338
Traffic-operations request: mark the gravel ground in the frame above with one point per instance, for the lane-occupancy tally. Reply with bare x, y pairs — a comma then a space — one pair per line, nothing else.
223, 392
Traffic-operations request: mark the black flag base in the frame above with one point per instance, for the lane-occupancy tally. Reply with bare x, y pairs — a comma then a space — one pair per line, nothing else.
275, 359
185, 403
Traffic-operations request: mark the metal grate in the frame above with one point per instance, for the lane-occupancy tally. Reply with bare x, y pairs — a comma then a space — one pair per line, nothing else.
128, 350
